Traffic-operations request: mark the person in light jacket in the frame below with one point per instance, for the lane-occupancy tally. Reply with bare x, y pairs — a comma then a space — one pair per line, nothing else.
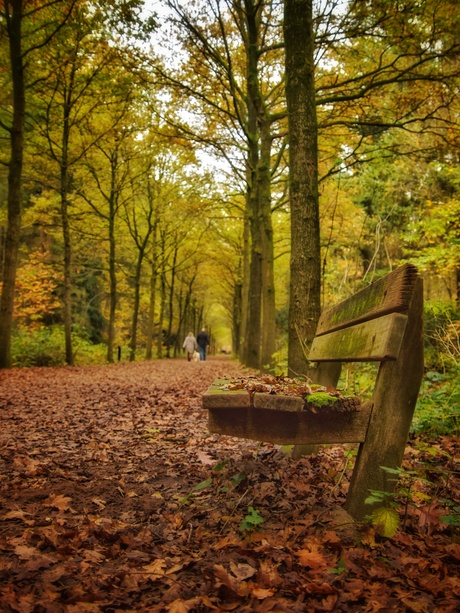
190, 345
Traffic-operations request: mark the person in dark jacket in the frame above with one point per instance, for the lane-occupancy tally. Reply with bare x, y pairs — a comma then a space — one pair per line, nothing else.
203, 343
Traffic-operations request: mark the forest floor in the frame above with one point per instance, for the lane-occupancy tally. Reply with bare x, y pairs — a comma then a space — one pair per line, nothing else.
115, 497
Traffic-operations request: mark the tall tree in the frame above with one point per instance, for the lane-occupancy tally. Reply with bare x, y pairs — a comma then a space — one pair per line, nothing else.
231, 46
13, 17
305, 285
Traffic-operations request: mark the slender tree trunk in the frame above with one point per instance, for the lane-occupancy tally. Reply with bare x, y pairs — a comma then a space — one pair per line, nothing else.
171, 303
245, 289
268, 278
67, 298
237, 311
162, 309
113, 288
305, 267
112, 258
254, 321
181, 304
151, 314
64, 191
137, 298
153, 285
253, 326
14, 21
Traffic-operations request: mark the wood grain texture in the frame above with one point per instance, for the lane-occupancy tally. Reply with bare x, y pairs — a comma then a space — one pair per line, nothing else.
216, 397
376, 340
390, 294
290, 427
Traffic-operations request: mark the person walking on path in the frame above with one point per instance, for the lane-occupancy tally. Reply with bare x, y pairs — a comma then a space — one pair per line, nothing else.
203, 343
190, 345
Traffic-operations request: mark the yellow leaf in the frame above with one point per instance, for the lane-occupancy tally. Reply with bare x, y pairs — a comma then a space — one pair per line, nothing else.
385, 521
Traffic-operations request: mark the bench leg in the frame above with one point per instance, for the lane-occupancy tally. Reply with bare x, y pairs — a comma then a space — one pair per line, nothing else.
327, 374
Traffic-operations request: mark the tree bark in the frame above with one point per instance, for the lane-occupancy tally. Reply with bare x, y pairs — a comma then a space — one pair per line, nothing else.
242, 343
162, 302
12, 238
305, 265
113, 208
171, 302
64, 191
268, 280
252, 355
151, 314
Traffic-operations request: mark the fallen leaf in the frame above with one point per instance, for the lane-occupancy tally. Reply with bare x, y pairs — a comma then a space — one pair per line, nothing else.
57, 501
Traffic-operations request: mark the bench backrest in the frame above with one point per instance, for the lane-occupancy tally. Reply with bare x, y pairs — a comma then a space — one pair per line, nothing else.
370, 325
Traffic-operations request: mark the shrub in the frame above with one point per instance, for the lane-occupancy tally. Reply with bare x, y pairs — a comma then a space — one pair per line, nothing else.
38, 347
46, 347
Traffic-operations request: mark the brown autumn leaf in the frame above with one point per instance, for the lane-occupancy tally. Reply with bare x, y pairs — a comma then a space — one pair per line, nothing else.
25, 553
310, 555
155, 569
242, 571
39, 561
58, 501
205, 458
227, 579
261, 593
19, 514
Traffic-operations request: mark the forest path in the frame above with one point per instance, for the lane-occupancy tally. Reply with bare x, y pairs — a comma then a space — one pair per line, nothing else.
115, 497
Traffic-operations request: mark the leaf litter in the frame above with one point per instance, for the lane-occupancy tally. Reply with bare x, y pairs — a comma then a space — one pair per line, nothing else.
115, 497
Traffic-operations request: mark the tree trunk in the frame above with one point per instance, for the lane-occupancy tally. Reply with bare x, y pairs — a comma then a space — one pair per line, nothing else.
242, 343
64, 190
112, 259
13, 230
254, 321
67, 299
137, 298
237, 312
171, 303
305, 266
162, 309
151, 314
268, 280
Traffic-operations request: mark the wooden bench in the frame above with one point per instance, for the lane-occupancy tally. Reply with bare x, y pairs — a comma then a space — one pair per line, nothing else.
381, 323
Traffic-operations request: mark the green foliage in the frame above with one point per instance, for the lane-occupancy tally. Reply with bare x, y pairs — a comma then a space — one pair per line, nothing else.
45, 347
386, 521
340, 568
438, 407
420, 489
251, 521
42, 347
442, 335
196, 488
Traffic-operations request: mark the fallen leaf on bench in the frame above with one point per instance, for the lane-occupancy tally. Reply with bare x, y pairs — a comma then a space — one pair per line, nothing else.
318, 398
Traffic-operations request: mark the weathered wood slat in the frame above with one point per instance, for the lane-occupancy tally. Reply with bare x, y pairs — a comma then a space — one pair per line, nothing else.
376, 340
216, 397
290, 427
391, 294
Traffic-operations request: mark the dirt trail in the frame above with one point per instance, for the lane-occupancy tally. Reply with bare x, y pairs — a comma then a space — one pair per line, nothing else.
114, 497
